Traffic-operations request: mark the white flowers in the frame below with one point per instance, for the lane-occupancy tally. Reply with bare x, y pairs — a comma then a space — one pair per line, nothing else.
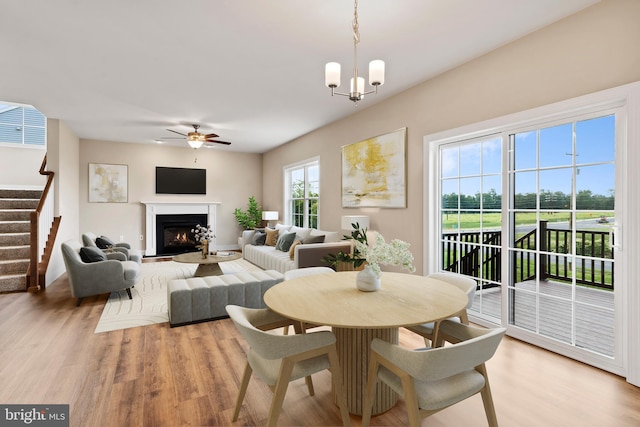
395, 253
203, 233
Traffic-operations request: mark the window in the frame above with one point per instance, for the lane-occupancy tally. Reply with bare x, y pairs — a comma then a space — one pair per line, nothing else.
532, 206
302, 194
22, 124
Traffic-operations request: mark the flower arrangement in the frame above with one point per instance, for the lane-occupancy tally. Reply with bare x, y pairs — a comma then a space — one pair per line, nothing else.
394, 253
203, 233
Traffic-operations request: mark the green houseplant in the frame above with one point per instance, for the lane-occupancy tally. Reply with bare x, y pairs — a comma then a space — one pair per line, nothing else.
353, 260
250, 218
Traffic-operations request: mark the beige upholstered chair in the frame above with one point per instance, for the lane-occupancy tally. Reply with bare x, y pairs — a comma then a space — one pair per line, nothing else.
430, 330
302, 272
433, 379
278, 359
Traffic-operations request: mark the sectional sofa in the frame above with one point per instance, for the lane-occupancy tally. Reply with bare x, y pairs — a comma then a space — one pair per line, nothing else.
306, 249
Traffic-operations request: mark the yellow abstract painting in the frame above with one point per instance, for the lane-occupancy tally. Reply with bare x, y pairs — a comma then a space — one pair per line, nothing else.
374, 172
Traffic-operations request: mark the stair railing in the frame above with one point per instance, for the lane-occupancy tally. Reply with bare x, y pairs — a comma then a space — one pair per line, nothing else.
42, 226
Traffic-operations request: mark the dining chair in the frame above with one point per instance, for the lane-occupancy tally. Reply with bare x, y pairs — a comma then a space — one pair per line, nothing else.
303, 272
278, 359
430, 331
433, 379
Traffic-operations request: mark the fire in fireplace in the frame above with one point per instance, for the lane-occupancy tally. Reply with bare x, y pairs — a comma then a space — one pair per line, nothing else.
174, 235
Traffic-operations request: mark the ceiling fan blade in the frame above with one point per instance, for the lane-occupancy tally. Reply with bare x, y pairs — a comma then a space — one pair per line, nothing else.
211, 135
218, 142
175, 131
170, 138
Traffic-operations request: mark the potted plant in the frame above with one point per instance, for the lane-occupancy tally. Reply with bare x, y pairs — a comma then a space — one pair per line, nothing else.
252, 217
349, 261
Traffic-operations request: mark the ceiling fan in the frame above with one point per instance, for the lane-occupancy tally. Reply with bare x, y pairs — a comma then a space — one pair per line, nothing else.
196, 139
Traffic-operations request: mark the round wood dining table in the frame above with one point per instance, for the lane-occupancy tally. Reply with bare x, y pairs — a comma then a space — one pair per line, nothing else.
356, 317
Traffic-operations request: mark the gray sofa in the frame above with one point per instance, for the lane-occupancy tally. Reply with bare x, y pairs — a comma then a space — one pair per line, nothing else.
197, 299
304, 255
95, 278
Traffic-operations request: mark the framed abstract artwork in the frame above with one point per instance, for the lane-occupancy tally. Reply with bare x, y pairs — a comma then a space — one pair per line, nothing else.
374, 172
108, 183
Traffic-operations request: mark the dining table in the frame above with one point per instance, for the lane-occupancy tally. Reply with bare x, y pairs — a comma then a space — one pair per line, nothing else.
357, 317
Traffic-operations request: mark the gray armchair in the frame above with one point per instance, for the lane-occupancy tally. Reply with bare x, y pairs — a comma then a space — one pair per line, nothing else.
89, 239
94, 278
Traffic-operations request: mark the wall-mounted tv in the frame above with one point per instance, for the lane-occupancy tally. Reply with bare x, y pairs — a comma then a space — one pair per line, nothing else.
180, 181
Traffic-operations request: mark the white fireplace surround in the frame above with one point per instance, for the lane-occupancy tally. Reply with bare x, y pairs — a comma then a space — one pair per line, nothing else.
174, 208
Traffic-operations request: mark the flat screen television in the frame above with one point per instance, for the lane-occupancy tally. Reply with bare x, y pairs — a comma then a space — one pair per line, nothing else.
181, 181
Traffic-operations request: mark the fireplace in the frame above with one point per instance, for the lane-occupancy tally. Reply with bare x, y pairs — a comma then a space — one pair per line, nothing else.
155, 239
174, 235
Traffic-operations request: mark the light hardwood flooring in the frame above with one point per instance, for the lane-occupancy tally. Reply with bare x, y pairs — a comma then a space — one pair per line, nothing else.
188, 376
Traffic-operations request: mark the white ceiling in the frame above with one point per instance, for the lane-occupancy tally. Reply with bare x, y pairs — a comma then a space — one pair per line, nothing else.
251, 71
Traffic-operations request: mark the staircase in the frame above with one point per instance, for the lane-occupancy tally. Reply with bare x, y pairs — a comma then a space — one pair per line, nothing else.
15, 210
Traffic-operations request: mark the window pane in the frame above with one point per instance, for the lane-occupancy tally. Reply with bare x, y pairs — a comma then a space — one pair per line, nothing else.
470, 159
449, 193
492, 156
10, 133
595, 187
556, 145
449, 162
470, 193
595, 140
555, 189
525, 190
491, 192
525, 150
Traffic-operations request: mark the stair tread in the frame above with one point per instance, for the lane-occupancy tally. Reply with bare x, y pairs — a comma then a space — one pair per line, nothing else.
14, 246
9, 261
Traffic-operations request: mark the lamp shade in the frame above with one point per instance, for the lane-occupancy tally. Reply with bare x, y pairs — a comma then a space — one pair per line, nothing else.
332, 74
270, 215
347, 220
359, 88
376, 72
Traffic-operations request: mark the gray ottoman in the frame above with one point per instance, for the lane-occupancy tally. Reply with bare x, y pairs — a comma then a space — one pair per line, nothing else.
198, 299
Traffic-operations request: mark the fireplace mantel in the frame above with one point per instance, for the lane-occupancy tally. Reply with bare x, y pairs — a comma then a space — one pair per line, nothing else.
174, 208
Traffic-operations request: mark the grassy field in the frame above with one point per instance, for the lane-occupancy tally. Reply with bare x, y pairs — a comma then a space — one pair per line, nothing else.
492, 220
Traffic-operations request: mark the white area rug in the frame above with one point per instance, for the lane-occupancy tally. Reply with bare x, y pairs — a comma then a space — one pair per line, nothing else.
149, 303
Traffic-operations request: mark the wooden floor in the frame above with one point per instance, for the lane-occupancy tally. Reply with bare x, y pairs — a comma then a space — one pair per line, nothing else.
188, 376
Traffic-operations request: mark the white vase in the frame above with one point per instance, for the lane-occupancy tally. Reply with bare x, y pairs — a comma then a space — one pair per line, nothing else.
367, 281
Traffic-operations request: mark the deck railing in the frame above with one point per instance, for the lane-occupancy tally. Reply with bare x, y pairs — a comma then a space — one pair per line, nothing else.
464, 253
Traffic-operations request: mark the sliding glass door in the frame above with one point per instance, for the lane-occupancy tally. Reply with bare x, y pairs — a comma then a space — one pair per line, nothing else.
530, 213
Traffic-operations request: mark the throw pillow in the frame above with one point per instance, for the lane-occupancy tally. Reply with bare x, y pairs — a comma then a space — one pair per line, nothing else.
92, 254
271, 237
285, 241
301, 233
314, 239
259, 238
104, 242
292, 249
282, 228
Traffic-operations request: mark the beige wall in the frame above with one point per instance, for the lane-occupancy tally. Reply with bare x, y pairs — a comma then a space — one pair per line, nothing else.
29, 160
62, 159
592, 50
231, 179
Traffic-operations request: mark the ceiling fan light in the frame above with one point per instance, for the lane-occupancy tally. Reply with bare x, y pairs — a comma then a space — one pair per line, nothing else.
195, 142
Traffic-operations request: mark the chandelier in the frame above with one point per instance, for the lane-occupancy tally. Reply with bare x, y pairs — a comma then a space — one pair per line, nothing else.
376, 69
